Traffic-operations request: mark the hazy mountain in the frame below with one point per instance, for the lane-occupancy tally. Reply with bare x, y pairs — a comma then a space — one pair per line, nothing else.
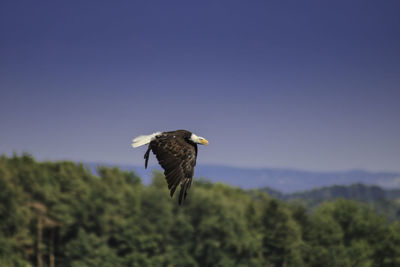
361, 192
383, 201
283, 180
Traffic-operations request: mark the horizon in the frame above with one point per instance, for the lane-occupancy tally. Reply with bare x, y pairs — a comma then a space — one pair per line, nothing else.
156, 164
284, 180
308, 86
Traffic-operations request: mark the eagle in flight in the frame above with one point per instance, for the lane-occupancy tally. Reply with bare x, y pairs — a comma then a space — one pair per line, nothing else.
176, 151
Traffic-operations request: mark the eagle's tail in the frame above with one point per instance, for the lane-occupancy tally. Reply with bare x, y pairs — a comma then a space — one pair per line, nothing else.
144, 139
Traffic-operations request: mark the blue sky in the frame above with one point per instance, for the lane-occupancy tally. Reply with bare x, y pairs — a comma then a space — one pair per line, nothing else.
302, 84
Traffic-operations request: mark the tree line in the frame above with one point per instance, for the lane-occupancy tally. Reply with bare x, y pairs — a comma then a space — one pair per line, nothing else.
61, 214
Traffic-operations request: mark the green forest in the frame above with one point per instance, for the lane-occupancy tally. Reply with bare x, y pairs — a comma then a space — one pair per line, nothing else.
62, 214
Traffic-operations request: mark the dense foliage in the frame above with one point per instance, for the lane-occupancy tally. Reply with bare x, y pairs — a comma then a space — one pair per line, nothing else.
59, 214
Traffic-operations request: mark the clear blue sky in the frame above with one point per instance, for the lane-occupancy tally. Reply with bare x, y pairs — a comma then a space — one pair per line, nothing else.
305, 84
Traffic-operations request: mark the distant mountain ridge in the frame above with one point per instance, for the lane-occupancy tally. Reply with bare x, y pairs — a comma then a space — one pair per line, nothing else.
384, 201
361, 192
282, 180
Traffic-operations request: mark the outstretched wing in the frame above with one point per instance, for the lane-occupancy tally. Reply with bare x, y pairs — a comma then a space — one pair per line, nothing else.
178, 158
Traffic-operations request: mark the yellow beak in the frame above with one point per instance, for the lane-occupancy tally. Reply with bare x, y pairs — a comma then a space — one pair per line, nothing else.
204, 142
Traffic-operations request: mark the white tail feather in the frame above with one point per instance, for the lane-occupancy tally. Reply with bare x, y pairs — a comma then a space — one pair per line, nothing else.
144, 139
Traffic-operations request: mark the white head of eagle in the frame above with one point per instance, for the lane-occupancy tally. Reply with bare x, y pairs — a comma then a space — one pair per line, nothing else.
176, 152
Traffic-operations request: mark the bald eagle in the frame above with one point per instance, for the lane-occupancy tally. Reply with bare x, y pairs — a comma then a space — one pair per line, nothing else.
176, 152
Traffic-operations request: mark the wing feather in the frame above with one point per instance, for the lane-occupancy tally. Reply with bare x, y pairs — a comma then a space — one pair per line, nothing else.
178, 159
